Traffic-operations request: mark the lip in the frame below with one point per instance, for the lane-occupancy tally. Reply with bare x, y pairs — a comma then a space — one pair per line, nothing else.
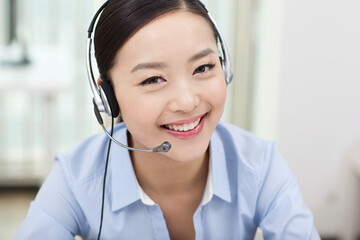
188, 134
190, 120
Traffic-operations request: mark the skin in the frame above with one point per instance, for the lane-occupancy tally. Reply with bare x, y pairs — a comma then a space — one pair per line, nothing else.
187, 87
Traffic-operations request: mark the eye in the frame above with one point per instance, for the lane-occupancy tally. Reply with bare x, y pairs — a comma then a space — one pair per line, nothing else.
152, 80
204, 68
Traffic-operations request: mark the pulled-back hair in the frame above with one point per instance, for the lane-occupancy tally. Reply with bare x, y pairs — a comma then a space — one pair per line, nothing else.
121, 19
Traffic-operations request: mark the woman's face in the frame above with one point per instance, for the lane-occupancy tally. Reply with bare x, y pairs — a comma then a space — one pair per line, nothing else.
170, 86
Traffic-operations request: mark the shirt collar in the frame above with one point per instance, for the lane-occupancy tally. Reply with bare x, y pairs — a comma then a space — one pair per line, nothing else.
208, 192
220, 179
126, 189
124, 185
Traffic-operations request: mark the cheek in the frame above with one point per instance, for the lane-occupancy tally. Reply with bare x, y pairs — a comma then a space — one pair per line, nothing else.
134, 112
217, 93
138, 113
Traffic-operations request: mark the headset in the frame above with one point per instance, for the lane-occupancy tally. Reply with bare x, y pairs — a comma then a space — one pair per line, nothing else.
104, 99
103, 96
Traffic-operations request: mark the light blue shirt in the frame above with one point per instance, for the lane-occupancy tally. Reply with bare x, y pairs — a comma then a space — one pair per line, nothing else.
249, 185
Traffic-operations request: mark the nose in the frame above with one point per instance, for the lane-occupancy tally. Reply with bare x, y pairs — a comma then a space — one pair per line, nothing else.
183, 97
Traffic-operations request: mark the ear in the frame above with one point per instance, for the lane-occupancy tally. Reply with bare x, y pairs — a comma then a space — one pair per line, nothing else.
99, 82
221, 61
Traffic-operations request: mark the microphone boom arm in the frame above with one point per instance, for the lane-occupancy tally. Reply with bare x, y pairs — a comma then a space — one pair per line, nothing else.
164, 147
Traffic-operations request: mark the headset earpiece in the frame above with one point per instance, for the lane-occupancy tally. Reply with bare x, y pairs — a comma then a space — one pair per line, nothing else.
108, 97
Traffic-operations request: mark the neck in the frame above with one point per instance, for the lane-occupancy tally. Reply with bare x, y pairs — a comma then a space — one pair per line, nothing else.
160, 175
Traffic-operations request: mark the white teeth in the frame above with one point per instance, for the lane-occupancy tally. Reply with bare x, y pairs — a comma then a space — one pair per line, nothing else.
185, 127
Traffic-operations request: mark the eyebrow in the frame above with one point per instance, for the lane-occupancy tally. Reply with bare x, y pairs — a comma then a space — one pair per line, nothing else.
156, 65
159, 65
201, 54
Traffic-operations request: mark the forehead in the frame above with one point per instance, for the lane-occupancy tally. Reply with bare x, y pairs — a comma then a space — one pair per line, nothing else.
171, 34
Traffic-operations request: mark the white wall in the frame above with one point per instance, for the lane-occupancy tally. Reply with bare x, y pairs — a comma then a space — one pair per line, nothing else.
315, 114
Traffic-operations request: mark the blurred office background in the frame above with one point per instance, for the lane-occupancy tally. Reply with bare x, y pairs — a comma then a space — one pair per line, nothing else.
297, 81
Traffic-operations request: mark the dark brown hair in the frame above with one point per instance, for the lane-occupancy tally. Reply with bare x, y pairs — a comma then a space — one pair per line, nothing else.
121, 19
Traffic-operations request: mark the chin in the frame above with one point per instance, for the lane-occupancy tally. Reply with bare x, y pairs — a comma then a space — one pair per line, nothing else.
187, 153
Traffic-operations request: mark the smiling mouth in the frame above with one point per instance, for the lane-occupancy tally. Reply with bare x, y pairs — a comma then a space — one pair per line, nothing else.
184, 127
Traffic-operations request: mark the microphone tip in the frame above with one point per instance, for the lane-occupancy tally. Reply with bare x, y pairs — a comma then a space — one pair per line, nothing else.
164, 147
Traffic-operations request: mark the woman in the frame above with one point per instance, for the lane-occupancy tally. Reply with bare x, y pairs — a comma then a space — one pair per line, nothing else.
161, 60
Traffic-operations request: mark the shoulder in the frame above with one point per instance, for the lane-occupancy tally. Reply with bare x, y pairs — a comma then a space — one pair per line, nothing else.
250, 151
86, 160
239, 136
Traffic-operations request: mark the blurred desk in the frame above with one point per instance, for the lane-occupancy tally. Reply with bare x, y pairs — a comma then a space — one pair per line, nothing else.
48, 75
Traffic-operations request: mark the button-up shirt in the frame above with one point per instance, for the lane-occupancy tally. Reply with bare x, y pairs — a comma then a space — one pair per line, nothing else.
249, 185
